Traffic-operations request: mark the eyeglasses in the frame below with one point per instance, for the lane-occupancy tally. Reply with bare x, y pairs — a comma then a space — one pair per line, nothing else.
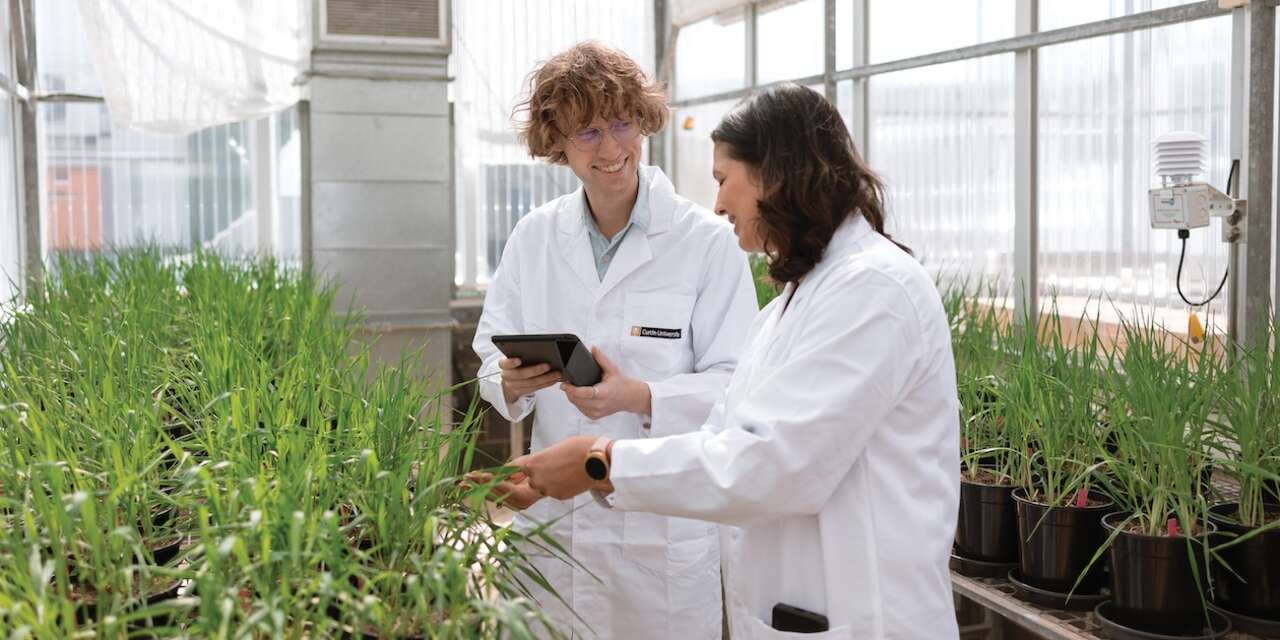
590, 138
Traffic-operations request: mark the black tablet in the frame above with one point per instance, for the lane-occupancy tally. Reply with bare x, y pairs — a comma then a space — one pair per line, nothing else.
563, 351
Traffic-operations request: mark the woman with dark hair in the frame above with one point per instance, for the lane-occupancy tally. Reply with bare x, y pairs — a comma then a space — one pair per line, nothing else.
832, 460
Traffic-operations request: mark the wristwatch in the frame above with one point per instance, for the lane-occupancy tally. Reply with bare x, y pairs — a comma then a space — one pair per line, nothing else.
596, 463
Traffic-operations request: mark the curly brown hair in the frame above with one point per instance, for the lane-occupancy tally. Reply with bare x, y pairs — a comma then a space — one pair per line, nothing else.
576, 86
812, 176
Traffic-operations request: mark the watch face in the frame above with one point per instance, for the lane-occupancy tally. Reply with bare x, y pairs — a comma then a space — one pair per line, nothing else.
596, 469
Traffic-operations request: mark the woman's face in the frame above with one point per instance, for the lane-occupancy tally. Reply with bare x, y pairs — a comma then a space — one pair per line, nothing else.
605, 155
738, 197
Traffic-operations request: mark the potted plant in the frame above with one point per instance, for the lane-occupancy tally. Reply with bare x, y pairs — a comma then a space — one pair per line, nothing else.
1051, 393
1161, 392
1247, 585
992, 451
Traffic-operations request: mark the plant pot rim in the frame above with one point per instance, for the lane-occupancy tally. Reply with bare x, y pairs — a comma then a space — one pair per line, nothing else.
964, 480
1207, 528
1216, 515
1019, 494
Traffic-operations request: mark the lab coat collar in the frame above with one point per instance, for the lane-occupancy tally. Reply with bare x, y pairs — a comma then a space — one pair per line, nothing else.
662, 204
850, 232
843, 242
853, 230
634, 251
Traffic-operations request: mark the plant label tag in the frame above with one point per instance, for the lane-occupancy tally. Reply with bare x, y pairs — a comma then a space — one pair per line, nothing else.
1195, 330
1082, 497
1173, 527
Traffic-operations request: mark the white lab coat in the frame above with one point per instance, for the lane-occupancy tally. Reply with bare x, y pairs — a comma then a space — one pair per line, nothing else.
659, 577
833, 461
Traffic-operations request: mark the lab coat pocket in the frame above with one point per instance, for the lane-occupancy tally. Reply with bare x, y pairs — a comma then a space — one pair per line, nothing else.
760, 630
655, 333
669, 546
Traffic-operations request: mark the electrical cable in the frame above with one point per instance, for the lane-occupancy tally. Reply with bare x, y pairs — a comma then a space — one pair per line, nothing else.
1183, 234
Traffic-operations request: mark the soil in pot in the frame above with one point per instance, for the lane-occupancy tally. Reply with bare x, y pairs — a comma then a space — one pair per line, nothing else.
1057, 544
1154, 578
987, 529
1251, 584
158, 589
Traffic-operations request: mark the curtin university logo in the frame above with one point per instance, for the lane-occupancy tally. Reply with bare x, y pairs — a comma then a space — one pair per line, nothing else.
654, 332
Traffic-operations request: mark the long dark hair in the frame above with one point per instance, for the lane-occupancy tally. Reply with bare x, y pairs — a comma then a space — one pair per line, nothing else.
811, 175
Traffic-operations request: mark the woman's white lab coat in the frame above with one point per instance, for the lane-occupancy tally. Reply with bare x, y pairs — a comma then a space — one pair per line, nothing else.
659, 577
833, 460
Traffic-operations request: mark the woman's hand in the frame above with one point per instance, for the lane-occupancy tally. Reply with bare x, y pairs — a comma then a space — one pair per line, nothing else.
615, 392
518, 381
559, 471
513, 493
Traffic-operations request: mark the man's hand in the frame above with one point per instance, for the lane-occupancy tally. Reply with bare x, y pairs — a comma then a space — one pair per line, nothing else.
518, 381
615, 392
559, 470
513, 493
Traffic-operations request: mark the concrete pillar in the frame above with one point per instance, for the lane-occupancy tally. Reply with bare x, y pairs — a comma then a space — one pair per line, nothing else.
379, 171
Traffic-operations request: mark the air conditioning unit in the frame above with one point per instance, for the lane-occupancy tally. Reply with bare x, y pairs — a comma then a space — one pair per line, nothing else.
413, 23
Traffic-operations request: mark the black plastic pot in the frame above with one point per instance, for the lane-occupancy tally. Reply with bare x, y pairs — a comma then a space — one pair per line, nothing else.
1057, 544
1271, 492
1254, 587
987, 529
87, 610
1205, 484
1153, 582
163, 552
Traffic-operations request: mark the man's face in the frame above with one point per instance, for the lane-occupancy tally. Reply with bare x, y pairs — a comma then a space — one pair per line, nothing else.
605, 155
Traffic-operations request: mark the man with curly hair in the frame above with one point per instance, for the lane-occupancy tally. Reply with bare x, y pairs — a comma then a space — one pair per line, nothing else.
660, 289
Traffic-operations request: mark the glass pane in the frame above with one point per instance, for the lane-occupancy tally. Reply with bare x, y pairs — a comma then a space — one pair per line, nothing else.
1055, 14
900, 29
10, 249
942, 139
790, 40
497, 44
63, 56
844, 34
1102, 103
844, 103
693, 150
287, 226
721, 38
110, 188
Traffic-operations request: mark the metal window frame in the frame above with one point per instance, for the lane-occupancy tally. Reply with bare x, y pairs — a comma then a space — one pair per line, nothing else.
22, 17
1256, 283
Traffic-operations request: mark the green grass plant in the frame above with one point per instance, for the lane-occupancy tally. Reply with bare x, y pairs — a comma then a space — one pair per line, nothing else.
221, 404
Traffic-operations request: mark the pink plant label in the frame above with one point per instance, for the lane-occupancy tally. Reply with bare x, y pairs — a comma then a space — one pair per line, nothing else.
1173, 527
1082, 497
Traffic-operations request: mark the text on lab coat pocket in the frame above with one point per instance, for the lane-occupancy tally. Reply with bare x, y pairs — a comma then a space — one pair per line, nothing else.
655, 334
